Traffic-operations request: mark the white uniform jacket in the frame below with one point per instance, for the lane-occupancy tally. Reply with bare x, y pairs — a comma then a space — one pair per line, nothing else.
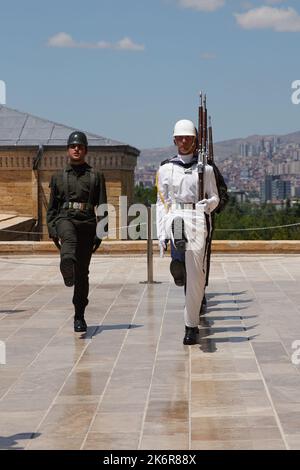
177, 182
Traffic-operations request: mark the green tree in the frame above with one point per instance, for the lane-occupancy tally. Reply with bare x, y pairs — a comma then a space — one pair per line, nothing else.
237, 217
145, 195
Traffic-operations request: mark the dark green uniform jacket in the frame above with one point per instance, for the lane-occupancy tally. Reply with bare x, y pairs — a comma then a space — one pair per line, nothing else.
79, 180
222, 189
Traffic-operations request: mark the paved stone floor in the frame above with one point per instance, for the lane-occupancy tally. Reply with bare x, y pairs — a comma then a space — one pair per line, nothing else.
129, 383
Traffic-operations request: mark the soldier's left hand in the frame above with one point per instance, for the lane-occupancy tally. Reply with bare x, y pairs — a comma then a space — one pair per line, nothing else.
97, 243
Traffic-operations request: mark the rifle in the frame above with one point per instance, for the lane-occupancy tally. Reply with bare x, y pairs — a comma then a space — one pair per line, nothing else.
210, 158
202, 144
205, 127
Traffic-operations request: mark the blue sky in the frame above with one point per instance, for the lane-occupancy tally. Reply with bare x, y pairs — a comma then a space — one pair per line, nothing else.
128, 69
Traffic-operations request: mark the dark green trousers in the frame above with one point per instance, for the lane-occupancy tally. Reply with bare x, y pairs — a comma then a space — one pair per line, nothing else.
77, 239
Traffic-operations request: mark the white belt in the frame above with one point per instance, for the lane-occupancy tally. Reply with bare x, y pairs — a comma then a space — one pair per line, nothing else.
183, 205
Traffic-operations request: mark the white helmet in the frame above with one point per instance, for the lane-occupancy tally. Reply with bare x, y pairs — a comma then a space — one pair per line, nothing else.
184, 127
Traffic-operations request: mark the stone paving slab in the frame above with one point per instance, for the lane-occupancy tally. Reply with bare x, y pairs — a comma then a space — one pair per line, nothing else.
129, 382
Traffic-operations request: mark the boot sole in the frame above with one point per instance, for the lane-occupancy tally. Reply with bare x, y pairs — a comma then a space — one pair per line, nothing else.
190, 342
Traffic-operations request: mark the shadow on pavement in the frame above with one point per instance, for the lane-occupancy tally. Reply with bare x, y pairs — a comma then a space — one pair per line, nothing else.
95, 330
10, 442
210, 345
11, 311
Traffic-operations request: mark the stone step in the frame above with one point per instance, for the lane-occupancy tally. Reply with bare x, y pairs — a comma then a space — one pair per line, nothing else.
15, 227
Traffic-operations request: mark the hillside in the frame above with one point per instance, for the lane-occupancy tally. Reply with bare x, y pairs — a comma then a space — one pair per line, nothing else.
222, 149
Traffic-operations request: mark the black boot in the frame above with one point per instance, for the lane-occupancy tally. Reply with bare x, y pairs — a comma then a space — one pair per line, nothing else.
67, 269
80, 325
79, 321
178, 272
190, 335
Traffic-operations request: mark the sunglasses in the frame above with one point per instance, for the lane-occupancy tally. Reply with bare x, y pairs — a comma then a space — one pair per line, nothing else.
74, 146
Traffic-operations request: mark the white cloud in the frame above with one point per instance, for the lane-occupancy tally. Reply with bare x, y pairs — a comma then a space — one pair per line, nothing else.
202, 5
277, 19
65, 40
129, 45
61, 40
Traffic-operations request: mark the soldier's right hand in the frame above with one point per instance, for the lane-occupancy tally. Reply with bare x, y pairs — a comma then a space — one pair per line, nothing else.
56, 242
205, 204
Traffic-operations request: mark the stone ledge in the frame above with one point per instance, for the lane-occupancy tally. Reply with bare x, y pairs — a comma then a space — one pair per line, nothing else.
14, 228
256, 246
140, 247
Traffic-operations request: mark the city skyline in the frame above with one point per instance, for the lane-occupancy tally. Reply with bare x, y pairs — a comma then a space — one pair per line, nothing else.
128, 70
265, 170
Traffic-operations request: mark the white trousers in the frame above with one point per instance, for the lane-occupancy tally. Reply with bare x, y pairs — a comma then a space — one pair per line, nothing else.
196, 233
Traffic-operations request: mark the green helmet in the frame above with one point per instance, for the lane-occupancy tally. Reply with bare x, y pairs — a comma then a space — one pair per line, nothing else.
77, 137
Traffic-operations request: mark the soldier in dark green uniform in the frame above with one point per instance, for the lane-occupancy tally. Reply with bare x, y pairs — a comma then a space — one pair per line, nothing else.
71, 219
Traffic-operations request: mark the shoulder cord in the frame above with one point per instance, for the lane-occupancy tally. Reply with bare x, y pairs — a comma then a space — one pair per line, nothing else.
172, 187
160, 193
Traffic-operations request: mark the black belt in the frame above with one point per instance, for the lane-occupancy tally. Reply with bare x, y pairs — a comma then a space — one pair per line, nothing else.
184, 205
81, 206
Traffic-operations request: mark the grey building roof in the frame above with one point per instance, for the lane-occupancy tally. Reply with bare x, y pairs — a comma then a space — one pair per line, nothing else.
24, 130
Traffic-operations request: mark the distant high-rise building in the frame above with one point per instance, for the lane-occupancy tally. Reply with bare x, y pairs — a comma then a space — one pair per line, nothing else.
274, 188
266, 188
281, 190
244, 149
276, 143
297, 191
268, 148
251, 150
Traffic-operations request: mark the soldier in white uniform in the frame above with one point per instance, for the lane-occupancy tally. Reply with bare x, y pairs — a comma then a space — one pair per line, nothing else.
182, 219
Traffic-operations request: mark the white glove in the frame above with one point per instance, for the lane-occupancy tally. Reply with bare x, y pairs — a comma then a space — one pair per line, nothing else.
205, 204
162, 246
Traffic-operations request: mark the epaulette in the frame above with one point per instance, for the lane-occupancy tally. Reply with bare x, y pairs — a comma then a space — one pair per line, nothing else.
167, 161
